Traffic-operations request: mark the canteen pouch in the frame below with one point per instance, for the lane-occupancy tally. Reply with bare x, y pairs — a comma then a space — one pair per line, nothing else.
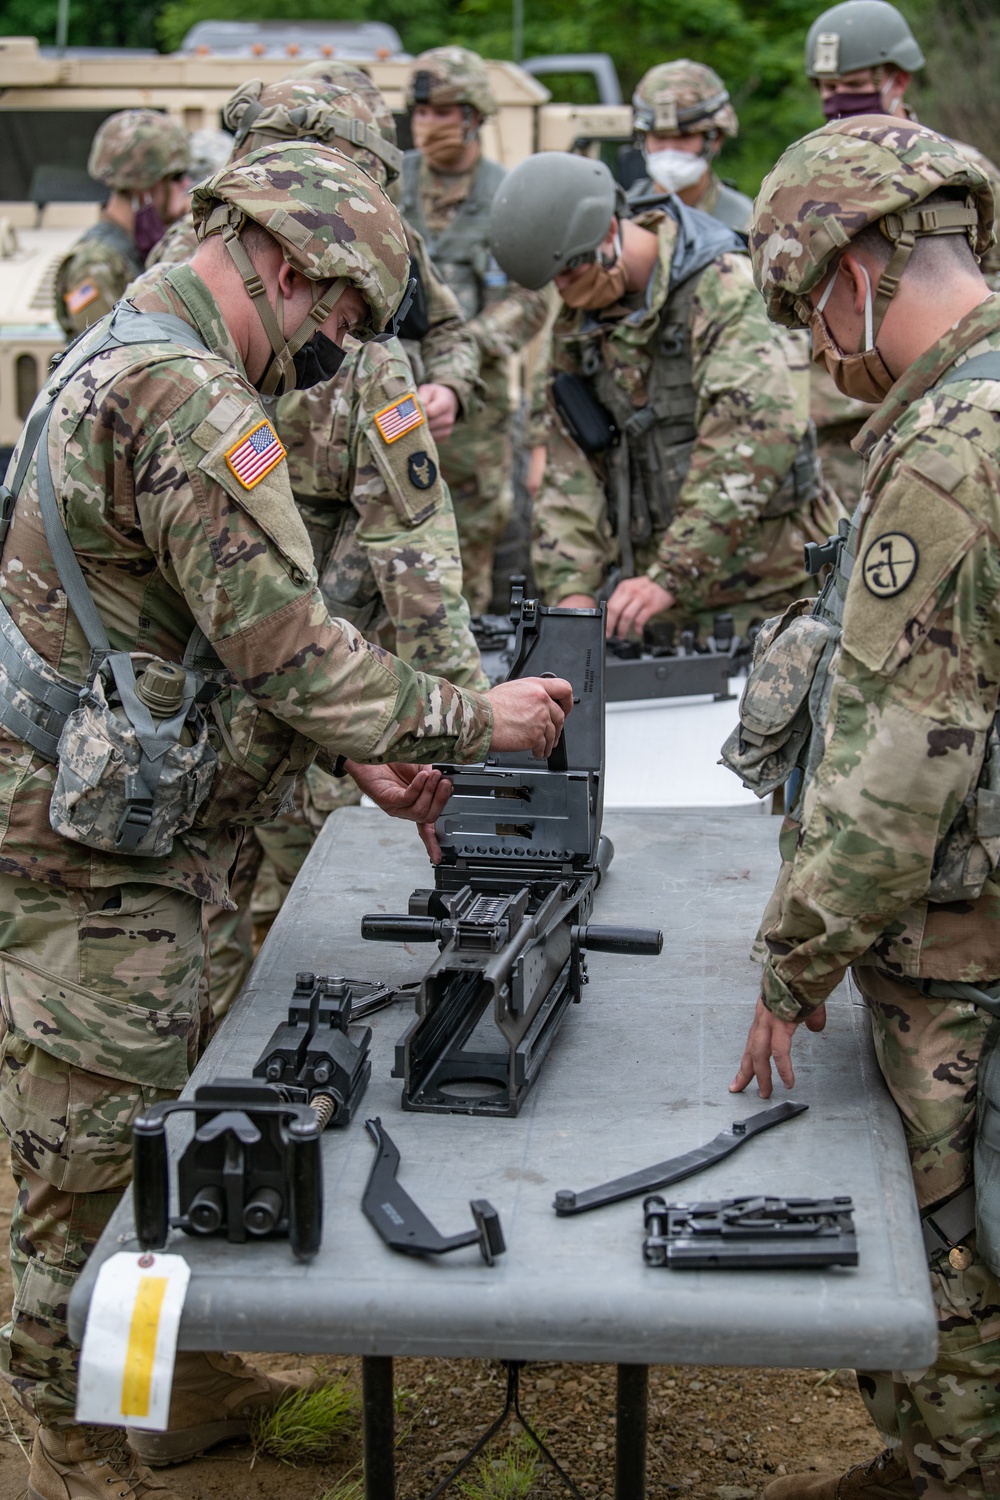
587, 420
775, 722
110, 794
969, 851
987, 1150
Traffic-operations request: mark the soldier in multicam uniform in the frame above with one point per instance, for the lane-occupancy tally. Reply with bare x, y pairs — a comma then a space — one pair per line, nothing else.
682, 112
860, 57
867, 232
448, 186
378, 514
167, 481
142, 156
701, 495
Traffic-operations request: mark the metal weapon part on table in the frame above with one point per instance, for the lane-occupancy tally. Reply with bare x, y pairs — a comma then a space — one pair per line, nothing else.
405, 1227
522, 857
744, 1233
664, 1173
252, 1169
661, 665
312, 1058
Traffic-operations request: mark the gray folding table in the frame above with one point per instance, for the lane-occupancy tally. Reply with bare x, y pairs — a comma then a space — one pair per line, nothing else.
638, 1073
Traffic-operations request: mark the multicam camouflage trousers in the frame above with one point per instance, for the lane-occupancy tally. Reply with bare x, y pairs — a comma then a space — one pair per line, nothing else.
948, 1417
100, 993
271, 857
477, 463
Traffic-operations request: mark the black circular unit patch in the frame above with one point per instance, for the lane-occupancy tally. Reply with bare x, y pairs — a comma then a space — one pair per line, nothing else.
889, 564
422, 470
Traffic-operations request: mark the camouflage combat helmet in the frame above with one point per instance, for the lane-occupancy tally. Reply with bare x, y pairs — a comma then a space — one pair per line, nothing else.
860, 34
333, 223
346, 76
451, 75
833, 183
210, 151
683, 98
261, 114
549, 211
137, 148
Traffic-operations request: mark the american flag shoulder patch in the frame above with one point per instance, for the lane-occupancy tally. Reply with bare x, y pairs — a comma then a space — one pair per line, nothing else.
81, 296
395, 421
255, 455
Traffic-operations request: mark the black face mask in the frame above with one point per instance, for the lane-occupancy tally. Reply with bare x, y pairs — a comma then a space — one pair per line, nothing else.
319, 359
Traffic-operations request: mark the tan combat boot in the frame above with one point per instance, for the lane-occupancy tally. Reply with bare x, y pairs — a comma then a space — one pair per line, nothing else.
89, 1463
883, 1478
213, 1400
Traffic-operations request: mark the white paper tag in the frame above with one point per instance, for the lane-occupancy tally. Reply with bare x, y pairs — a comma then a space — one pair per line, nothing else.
129, 1344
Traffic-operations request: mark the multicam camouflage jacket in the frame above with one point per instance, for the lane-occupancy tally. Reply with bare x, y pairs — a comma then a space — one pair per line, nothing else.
179, 520
724, 527
914, 689
94, 275
446, 355
365, 474
451, 212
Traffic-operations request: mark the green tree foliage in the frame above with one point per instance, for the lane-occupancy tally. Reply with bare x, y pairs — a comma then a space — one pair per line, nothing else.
125, 25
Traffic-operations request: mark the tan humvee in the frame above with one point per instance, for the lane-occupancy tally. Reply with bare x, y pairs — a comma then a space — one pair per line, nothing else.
51, 106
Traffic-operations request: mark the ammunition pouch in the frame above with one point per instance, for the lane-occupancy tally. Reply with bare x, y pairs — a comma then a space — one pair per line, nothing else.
586, 419
969, 852
776, 722
125, 787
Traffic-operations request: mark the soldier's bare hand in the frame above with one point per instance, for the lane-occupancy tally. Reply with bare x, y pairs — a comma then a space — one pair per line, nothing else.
440, 408
633, 602
577, 601
536, 469
770, 1040
528, 714
417, 793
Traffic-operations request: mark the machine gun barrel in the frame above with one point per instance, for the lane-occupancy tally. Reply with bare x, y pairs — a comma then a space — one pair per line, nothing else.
401, 928
598, 938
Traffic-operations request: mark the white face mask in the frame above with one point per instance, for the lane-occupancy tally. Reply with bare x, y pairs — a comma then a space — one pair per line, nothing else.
675, 170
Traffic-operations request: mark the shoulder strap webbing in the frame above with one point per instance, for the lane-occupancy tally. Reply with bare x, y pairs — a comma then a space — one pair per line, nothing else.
979, 367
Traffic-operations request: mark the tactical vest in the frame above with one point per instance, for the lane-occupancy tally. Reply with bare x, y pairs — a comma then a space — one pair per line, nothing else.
128, 781
645, 470
461, 252
785, 703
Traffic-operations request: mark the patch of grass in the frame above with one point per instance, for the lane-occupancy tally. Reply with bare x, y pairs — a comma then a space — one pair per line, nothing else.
345, 1489
308, 1425
503, 1474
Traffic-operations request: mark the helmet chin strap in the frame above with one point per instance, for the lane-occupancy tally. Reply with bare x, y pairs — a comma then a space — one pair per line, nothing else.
279, 377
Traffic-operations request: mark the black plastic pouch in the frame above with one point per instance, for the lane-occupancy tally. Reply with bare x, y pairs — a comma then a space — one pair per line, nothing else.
588, 421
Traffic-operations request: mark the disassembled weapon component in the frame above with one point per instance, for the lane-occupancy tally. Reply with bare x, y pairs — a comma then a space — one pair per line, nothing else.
311, 1058
404, 1226
749, 1233
664, 1173
522, 856
251, 1170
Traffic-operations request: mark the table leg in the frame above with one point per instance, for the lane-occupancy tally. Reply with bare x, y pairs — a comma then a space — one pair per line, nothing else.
379, 1425
632, 1426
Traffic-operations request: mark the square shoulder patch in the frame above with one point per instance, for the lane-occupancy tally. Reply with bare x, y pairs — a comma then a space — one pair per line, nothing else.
255, 455
80, 297
395, 421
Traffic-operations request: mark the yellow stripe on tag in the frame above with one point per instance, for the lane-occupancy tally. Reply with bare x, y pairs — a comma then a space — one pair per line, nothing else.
137, 1379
